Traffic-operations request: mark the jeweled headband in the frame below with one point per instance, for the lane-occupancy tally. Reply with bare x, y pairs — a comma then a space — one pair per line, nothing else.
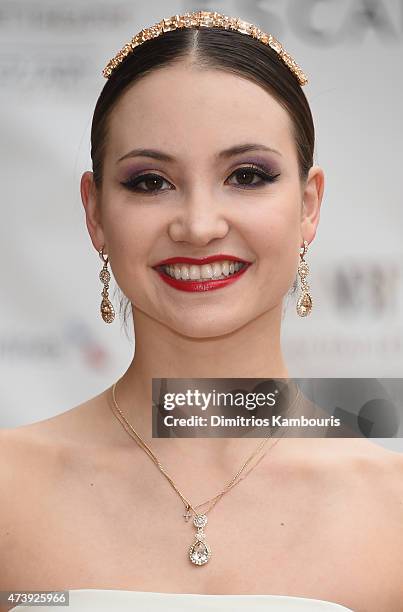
206, 19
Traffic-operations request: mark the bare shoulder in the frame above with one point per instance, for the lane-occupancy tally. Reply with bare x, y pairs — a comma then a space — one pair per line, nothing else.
22, 451
29, 456
36, 453
82, 423
376, 460
380, 482
363, 482
33, 456
366, 475
373, 464
383, 468
376, 493
25, 458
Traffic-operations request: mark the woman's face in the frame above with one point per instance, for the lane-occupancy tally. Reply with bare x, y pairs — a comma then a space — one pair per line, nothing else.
204, 200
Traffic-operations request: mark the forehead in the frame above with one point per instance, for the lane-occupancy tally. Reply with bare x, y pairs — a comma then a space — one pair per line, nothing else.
188, 109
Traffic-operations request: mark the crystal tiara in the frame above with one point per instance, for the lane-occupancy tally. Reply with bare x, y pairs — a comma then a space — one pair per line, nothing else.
206, 19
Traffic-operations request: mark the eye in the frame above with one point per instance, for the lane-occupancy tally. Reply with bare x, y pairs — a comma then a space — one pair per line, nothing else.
151, 181
246, 173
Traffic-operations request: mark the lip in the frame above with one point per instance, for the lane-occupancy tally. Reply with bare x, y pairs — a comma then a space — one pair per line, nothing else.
201, 286
201, 260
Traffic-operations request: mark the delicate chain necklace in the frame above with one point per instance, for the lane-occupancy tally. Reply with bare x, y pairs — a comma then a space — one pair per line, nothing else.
199, 551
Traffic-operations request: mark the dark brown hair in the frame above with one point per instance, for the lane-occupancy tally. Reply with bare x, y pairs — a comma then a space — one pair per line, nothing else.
209, 48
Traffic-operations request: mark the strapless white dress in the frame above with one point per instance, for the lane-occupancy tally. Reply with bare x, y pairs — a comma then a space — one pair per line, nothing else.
102, 600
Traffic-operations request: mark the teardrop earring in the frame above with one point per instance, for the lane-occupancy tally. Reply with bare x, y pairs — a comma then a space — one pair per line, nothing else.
107, 310
304, 303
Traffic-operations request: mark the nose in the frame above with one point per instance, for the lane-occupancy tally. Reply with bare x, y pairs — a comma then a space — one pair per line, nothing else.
199, 220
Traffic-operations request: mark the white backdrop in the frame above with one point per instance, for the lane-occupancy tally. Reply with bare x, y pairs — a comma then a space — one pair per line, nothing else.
55, 350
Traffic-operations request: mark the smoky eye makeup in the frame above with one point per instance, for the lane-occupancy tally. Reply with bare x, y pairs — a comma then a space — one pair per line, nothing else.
271, 167
136, 175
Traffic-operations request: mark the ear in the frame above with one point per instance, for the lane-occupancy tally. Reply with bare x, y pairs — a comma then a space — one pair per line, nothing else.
90, 199
312, 199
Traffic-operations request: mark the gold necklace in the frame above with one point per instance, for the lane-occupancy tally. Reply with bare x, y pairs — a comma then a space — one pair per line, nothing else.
199, 552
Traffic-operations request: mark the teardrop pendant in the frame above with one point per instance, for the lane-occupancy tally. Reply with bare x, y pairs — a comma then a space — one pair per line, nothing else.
304, 304
107, 310
200, 551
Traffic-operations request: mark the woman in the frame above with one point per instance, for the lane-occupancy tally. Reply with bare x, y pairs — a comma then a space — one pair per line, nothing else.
202, 146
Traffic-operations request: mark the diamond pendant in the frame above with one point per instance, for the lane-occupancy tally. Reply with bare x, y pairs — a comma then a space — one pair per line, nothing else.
200, 551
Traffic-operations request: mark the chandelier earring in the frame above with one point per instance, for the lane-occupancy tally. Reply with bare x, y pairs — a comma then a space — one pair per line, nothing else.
304, 303
107, 310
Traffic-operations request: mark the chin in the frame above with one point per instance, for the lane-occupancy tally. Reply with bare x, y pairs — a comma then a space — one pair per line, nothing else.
207, 328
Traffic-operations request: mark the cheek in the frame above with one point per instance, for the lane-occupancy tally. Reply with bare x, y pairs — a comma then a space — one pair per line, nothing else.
274, 230
130, 237
275, 239
130, 233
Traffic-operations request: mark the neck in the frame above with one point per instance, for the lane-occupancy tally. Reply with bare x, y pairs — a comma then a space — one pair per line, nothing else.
252, 351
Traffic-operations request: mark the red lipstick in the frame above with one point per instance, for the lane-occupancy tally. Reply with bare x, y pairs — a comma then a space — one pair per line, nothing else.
201, 260
200, 285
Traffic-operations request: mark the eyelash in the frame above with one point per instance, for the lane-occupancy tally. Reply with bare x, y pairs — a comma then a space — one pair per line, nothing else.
267, 177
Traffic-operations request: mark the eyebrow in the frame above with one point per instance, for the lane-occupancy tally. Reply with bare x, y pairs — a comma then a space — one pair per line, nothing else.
227, 153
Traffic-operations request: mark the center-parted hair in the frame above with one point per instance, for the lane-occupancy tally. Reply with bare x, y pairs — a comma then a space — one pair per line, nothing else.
207, 48
212, 48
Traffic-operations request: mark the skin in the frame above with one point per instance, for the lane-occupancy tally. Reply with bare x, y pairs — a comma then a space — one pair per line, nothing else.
313, 516
207, 212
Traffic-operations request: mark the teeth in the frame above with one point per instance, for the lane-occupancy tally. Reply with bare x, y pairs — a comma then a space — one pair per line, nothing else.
206, 271
215, 270
225, 268
194, 272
